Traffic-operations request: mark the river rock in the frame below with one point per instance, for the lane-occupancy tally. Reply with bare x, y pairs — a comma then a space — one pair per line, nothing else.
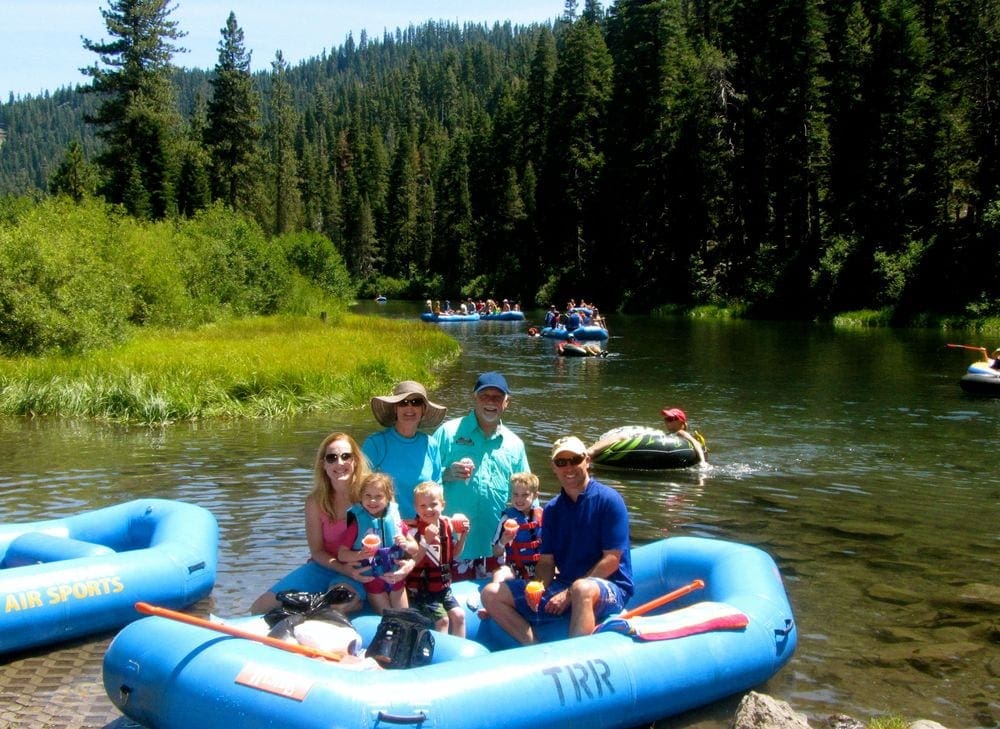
866, 529
760, 711
843, 721
974, 596
892, 595
925, 724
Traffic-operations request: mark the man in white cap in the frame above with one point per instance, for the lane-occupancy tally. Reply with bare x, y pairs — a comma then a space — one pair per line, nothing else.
585, 563
479, 454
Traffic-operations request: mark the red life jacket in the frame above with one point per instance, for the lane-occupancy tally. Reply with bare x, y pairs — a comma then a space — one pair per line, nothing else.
522, 554
433, 572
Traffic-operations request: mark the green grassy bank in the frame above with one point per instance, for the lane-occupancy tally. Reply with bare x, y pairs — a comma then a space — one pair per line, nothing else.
257, 367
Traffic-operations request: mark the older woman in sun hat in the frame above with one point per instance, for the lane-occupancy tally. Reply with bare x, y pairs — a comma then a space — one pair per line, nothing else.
400, 449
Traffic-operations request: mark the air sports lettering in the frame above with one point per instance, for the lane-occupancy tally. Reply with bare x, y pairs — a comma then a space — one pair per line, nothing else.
584, 681
64, 592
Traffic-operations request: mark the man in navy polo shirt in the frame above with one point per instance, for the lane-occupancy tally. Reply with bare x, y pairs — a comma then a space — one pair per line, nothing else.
585, 535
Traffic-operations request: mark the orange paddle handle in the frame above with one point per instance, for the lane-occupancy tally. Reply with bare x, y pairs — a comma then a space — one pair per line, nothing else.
146, 609
663, 599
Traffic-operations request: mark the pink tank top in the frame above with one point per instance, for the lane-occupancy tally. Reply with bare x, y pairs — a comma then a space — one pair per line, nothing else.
333, 533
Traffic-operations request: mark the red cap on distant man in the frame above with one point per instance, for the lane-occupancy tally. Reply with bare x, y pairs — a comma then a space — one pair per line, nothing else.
674, 414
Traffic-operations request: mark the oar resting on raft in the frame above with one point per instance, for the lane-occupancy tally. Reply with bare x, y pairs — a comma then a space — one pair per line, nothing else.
658, 602
146, 609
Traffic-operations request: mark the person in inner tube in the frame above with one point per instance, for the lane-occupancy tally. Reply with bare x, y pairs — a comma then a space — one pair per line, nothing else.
675, 422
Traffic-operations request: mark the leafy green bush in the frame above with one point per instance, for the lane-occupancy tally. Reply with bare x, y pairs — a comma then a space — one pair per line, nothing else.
58, 291
314, 256
79, 276
230, 267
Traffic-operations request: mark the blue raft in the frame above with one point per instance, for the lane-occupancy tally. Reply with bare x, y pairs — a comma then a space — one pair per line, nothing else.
585, 332
64, 578
981, 379
729, 637
430, 316
503, 316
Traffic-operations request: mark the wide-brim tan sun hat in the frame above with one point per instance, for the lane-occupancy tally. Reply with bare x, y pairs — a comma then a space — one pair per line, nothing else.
384, 407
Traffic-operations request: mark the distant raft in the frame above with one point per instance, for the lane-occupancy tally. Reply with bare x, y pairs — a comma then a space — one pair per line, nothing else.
981, 379
585, 332
577, 349
639, 447
503, 316
430, 316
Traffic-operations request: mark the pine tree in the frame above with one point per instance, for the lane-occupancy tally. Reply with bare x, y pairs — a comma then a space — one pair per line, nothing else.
137, 118
233, 130
75, 176
582, 90
283, 171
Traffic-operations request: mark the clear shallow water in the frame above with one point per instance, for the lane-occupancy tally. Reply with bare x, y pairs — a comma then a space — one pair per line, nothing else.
853, 458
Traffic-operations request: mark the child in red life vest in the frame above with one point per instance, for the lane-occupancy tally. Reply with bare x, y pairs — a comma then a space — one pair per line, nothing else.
441, 542
377, 537
519, 533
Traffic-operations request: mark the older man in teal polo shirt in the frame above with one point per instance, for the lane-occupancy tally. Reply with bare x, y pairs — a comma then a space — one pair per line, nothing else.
479, 454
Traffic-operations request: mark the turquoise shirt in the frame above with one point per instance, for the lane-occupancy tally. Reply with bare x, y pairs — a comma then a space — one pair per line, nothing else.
408, 460
485, 497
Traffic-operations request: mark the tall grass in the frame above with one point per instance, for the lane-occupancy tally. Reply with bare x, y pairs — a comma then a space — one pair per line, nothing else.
259, 367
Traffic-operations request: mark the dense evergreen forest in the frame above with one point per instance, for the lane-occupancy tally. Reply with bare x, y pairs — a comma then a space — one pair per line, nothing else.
791, 157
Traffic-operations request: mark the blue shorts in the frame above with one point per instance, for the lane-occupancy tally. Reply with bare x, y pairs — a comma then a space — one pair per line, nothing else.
610, 599
312, 577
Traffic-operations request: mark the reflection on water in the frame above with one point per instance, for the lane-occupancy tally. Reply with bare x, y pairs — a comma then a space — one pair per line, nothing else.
853, 458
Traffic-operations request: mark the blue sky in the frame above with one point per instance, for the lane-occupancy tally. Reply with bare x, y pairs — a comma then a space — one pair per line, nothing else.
41, 50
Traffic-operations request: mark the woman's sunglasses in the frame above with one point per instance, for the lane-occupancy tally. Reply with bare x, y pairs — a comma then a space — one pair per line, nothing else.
563, 462
416, 402
334, 457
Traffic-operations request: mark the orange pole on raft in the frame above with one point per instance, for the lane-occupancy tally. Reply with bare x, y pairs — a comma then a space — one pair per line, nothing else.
146, 609
663, 599
967, 346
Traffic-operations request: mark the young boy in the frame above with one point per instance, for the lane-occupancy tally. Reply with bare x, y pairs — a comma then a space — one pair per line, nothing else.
519, 533
378, 537
441, 541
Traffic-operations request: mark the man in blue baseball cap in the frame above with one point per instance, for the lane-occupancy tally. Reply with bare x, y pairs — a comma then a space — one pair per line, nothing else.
479, 454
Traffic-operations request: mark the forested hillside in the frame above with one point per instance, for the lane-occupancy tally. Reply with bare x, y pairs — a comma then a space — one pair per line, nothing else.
795, 157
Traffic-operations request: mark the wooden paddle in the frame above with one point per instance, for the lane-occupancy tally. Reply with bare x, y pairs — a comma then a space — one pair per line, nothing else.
146, 609
663, 599
969, 346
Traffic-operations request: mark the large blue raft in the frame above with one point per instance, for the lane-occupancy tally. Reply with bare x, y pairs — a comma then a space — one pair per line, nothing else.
171, 675
82, 574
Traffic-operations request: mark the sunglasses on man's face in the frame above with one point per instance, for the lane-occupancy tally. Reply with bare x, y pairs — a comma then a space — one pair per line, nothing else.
334, 457
571, 461
416, 402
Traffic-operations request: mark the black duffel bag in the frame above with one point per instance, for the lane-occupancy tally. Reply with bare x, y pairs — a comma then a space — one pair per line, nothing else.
404, 639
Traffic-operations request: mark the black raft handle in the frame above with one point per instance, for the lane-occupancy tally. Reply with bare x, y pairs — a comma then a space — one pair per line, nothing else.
419, 718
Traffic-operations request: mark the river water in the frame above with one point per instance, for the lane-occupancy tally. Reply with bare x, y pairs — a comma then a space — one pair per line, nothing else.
852, 457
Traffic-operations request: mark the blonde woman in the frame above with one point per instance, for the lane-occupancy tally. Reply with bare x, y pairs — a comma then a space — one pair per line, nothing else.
338, 472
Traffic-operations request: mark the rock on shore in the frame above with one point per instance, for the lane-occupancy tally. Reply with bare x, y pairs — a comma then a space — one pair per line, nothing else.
759, 711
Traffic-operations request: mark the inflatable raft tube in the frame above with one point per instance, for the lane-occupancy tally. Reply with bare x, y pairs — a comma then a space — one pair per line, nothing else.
639, 447
171, 675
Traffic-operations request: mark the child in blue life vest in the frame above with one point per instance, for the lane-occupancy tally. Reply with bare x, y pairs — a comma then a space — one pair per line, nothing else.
519, 533
377, 536
441, 541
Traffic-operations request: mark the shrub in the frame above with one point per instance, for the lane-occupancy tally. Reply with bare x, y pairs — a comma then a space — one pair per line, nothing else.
58, 291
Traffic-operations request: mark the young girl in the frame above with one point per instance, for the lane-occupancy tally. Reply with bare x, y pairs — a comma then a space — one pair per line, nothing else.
441, 542
517, 545
376, 515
